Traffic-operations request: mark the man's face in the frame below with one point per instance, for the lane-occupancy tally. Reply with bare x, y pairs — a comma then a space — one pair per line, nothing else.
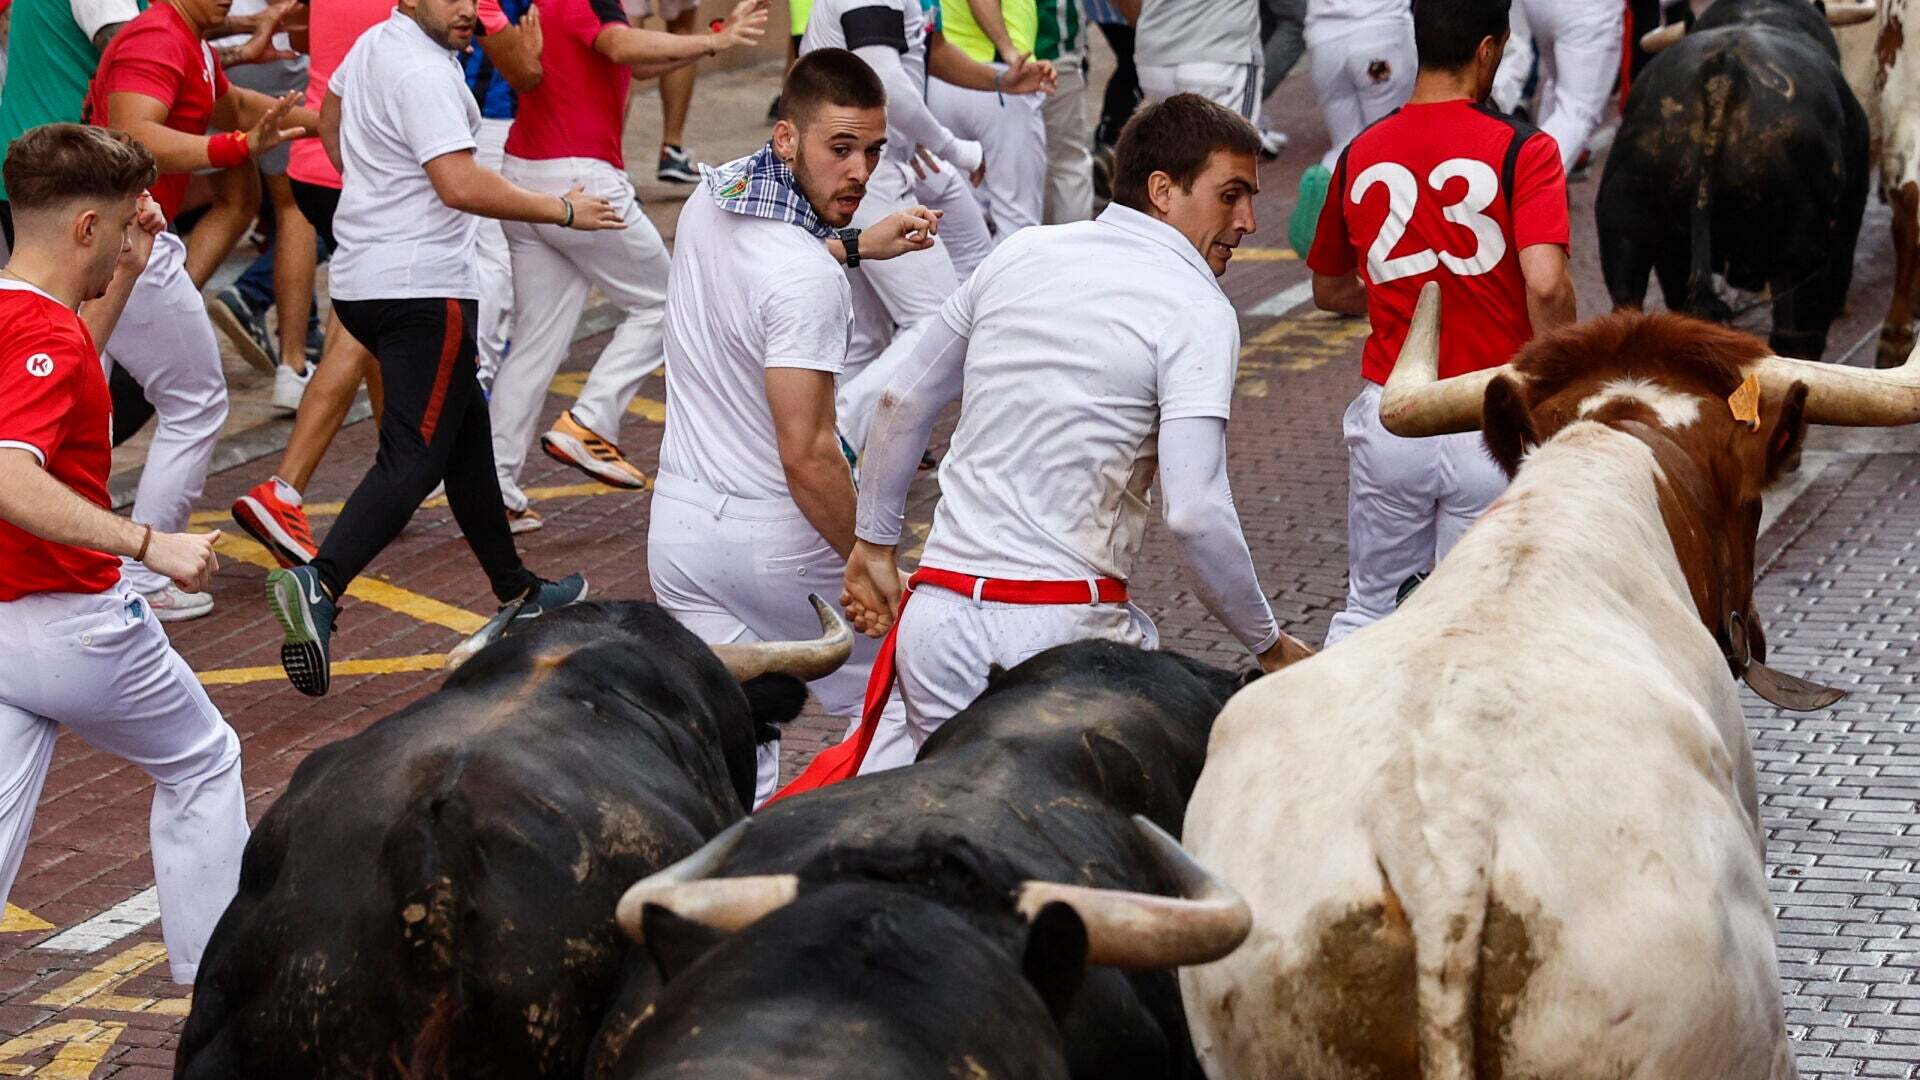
103, 230
203, 14
832, 153
1218, 211
448, 22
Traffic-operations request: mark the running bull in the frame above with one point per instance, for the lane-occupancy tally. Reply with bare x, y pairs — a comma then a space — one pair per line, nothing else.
1006, 907
1518, 833
433, 897
1742, 152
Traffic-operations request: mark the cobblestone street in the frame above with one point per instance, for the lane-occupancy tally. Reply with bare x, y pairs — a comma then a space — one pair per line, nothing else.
82, 988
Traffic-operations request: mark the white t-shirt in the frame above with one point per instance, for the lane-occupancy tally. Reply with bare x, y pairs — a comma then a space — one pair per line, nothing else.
855, 24
1172, 32
1330, 19
1048, 474
93, 16
745, 294
403, 102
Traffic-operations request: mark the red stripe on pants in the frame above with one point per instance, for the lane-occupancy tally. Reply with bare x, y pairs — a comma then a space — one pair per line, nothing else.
449, 352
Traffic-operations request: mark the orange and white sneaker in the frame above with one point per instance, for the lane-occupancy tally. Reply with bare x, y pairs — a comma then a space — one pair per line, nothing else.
280, 526
523, 521
571, 443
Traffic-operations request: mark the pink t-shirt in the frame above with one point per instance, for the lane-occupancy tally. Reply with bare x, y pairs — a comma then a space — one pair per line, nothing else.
582, 97
334, 26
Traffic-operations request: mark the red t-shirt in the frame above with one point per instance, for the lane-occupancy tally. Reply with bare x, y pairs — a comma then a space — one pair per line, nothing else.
53, 402
159, 55
1448, 192
578, 108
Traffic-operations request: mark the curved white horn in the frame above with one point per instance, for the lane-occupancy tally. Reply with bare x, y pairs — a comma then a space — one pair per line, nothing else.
808, 660
1417, 402
1848, 396
722, 903
1850, 12
1664, 37
1125, 929
488, 633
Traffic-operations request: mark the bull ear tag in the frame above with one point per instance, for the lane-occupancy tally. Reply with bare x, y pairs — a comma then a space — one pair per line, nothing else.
1777, 688
1744, 402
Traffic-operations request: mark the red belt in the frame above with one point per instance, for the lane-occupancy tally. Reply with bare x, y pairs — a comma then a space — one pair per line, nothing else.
842, 762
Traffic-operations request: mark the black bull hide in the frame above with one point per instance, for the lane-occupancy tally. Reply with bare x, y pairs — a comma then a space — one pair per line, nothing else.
903, 954
433, 896
1741, 152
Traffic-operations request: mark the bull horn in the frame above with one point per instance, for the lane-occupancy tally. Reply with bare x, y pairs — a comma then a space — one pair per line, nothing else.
807, 660
1663, 38
1418, 403
1850, 12
1848, 396
722, 903
1205, 922
485, 636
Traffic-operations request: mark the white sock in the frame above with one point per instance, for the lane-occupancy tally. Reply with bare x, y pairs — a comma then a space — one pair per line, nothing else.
286, 492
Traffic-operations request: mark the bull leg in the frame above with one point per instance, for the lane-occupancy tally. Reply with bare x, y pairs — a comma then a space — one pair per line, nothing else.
1673, 272
1626, 262
1896, 337
1803, 310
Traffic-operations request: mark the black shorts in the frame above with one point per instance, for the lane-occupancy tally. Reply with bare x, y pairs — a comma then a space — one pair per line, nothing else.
317, 204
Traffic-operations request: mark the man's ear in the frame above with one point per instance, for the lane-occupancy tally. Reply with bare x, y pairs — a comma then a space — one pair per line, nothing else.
786, 140
1160, 193
86, 227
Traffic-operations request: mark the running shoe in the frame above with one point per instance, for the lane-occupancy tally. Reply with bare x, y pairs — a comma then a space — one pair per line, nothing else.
570, 443
280, 526
245, 327
523, 521
289, 386
547, 596
174, 604
307, 616
676, 166
1271, 143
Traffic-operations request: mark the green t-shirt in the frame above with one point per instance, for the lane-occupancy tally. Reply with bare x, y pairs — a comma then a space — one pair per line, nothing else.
1023, 26
50, 62
1059, 29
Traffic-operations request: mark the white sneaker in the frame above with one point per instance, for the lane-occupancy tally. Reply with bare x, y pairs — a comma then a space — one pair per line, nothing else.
174, 604
289, 387
1272, 142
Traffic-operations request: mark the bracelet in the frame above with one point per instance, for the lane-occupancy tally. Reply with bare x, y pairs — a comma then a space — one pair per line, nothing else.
227, 149
568, 203
146, 539
997, 76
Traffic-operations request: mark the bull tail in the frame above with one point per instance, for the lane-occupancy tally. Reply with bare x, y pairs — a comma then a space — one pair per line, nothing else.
420, 865
1722, 82
1437, 884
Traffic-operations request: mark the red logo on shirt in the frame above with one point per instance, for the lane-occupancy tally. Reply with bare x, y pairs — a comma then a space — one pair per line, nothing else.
40, 365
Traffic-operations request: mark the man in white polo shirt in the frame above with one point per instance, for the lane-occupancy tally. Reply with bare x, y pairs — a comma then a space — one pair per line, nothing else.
1069, 414
401, 125
1206, 47
753, 504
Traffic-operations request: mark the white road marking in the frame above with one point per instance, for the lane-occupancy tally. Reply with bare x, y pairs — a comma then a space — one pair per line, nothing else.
1283, 303
129, 916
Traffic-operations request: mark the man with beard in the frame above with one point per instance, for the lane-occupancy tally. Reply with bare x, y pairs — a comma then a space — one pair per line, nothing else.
753, 504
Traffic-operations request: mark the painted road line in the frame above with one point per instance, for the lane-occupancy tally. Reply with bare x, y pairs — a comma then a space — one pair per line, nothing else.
372, 590
1283, 303
99, 988
390, 665
18, 920
570, 383
82, 1043
129, 916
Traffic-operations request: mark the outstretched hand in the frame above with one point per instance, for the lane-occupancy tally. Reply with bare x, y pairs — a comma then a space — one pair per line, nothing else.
592, 213
899, 233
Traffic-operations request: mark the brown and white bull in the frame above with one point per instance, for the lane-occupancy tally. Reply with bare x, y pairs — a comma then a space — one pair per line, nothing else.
1511, 830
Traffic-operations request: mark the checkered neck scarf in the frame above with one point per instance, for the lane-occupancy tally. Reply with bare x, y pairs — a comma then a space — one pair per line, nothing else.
761, 185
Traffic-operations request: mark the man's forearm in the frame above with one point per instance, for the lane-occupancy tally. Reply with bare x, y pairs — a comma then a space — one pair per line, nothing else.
823, 490
102, 315
475, 189
950, 64
633, 46
1552, 308
32, 500
1344, 296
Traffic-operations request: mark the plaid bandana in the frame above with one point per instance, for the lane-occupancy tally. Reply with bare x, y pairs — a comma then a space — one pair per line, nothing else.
761, 185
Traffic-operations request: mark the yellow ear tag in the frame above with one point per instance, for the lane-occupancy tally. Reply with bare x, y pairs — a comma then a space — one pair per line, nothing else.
1745, 402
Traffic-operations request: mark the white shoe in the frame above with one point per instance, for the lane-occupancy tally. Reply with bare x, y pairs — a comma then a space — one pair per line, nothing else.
174, 604
1272, 142
289, 386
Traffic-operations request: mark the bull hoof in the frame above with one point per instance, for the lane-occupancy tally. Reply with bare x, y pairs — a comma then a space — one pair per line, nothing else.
1896, 342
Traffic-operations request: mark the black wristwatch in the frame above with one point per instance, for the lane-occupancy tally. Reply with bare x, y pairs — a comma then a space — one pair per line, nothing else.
850, 239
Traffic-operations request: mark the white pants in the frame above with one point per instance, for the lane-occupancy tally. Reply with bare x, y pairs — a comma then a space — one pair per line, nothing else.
1362, 76
494, 328
1069, 145
1578, 43
101, 665
1235, 86
963, 228
165, 341
1010, 129
556, 268
1408, 502
949, 641
733, 570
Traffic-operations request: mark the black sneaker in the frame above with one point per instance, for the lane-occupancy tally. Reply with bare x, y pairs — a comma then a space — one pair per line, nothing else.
549, 595
307, 616
676, 166
245, 327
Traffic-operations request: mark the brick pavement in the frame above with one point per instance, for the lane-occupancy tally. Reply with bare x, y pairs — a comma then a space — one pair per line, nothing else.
1839, 788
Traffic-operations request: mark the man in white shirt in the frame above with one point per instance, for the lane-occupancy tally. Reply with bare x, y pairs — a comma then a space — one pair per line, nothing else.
1364, 62
401, 126
1068, 415
1578, 45
753, 503
1206, 47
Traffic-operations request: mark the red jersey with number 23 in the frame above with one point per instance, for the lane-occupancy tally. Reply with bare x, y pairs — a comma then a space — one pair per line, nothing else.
1449, 192
54, 405
160, 56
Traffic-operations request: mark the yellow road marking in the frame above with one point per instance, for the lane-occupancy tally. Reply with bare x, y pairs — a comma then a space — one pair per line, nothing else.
1293, 345
570, 383
82, 1044
96, 988
372, 590
1264, 254
386, 665
18, 920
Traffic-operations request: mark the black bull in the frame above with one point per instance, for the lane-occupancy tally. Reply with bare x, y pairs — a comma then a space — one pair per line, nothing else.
432, 897
896, 949
1742, 152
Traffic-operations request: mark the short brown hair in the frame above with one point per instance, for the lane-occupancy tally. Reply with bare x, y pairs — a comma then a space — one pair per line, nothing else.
1177, 137
54, 163
829, 77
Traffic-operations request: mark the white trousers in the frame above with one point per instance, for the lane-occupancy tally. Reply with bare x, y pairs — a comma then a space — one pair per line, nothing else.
1010, 128
1069, 145
1235, 86
494, 328
733, 570
101, 666
1578, 43
963, 228
1408, 502
555, 269
949, 641
165, 341
1362, 76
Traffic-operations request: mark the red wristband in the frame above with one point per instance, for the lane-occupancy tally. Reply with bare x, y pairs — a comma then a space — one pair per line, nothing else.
227, 149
